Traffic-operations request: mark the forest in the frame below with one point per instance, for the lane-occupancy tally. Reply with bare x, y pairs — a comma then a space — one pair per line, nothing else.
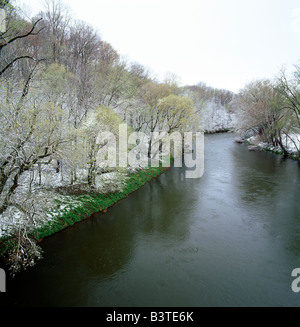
61, 85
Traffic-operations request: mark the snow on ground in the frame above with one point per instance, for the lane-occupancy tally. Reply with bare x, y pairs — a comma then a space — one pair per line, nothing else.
41, 205
43, 200
291, 143
110, 182
44, 203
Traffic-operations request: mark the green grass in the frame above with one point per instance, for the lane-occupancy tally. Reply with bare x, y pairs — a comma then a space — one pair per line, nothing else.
273, 151
90, 204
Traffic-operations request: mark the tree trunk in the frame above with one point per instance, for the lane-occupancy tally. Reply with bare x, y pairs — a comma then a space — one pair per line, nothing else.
40, 174
11, 189
285, 153
58, 166
61, 171
31, 181
150, 148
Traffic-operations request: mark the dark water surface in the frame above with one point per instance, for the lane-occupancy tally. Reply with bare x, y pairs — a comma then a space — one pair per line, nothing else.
231, 238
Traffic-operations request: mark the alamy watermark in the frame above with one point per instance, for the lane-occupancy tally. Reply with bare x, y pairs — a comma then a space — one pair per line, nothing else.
141, 150
2, 281
296, 282
2, 21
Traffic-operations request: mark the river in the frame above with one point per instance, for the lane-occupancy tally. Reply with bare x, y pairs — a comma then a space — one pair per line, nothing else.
231, 238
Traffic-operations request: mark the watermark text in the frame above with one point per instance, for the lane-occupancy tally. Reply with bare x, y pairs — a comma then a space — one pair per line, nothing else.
2, 281
141, 150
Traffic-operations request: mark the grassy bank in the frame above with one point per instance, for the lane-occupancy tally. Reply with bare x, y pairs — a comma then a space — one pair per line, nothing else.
95, 202
82, 206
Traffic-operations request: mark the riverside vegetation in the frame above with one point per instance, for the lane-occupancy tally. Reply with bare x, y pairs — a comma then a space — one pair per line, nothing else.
61, 85
77, 207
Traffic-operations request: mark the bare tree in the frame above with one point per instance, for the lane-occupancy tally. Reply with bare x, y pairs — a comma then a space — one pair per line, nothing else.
57, 20
290, 89
17, 30
262, 110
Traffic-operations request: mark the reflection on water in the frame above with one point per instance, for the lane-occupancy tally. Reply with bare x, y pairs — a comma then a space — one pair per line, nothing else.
230, 238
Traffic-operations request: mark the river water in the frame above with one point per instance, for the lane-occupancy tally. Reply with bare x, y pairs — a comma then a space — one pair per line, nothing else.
231, 238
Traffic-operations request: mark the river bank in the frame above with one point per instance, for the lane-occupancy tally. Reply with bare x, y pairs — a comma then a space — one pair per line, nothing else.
55, 206
227, 239
93, 202
74, 203
290, 145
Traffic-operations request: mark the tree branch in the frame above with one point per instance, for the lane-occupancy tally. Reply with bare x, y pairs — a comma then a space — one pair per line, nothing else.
13, 61
23, 35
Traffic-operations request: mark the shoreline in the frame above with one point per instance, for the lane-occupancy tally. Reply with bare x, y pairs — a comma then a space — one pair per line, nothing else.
270, 148
89, 204
219, 131
98, 202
